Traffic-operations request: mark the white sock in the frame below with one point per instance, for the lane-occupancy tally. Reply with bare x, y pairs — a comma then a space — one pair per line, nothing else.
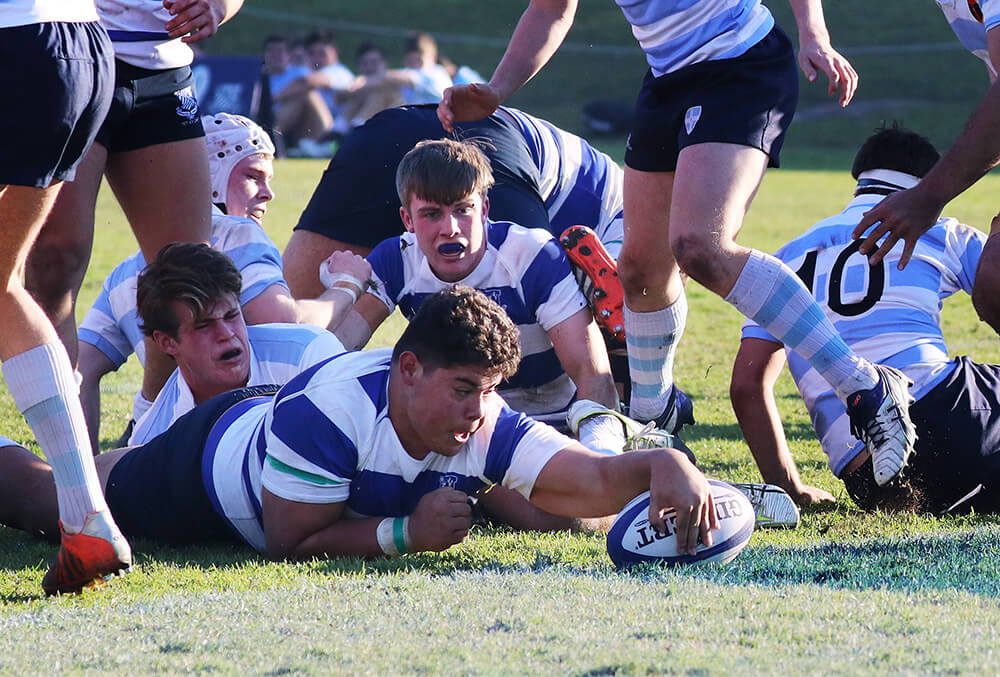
140, 405
651, 339
42, 384
772, 295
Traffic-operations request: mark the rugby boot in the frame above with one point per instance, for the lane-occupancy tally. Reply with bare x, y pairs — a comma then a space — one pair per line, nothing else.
773, 507
880, 418
90, 557
600, 282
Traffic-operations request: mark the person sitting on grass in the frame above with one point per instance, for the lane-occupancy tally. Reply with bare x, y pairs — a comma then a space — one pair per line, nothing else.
892, 317
367, 454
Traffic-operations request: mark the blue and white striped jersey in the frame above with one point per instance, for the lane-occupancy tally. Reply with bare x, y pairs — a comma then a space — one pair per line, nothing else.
527, 273
139, 33
348, 451
969, 20
579, 184
112, 323
277, 353
886, 315
678, 33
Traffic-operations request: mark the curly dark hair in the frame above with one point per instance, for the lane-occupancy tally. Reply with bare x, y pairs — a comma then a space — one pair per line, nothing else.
461, 326
194, 274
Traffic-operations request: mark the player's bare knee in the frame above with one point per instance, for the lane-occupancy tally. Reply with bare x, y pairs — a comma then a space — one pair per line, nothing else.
637, 274
696, 256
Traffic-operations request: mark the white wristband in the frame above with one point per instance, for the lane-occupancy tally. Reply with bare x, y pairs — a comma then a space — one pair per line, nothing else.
329, 279
347, 290
394, 535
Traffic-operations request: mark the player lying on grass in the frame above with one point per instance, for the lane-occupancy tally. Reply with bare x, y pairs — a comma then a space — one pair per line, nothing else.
367, 453
189, 304
241, 162
892, 317
544, 176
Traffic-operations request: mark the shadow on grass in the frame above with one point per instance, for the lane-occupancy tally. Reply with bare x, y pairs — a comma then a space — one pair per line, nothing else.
968, 561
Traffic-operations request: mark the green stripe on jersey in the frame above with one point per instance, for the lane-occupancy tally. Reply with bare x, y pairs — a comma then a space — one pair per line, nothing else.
301, 474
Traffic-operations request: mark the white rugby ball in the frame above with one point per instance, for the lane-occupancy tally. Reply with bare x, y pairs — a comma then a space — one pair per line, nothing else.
632, 539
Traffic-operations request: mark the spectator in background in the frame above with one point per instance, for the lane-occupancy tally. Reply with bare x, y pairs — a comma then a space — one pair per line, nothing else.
307, 105
374, 90
460, 75
427, 78
278, 66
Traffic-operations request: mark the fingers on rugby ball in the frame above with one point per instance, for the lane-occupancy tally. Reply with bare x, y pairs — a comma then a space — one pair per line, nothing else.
633, 540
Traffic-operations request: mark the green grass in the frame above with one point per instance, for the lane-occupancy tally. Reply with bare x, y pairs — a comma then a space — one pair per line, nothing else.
847, 593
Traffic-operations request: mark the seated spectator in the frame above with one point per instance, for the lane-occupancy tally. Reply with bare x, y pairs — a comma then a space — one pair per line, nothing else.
429, 79
373, 91
240, 160
307, 105
278, 67
460, 75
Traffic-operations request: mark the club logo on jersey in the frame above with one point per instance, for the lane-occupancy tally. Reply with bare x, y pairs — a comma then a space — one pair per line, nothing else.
691, 118
448, 479
188, 108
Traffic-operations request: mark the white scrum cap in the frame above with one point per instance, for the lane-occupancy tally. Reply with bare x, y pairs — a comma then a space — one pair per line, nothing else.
230, 138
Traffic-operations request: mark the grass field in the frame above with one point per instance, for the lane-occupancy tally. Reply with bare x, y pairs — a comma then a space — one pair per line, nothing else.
847, 593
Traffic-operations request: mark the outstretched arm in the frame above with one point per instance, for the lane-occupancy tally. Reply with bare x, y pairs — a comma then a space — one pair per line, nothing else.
908, 214
757, 366
542, 28
582, 483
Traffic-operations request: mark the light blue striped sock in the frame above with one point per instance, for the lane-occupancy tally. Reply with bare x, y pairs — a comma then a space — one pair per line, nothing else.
651, 339
772, 295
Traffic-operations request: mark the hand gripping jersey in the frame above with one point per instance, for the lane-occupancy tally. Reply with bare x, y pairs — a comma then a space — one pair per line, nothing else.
527, 273
327, 438
886, 315
138, 30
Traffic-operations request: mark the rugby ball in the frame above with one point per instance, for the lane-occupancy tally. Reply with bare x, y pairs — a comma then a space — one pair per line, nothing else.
632, 539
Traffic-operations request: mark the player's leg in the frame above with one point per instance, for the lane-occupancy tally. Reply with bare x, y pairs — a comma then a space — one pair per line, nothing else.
655, 309
70, 87
58, 260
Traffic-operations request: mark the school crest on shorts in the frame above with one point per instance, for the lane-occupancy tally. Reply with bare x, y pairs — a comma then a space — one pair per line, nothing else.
187, 103
691, 118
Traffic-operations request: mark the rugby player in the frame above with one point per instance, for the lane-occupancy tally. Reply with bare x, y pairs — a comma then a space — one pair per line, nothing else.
241, 167
711, 116
64, 83
891, 317
368, 453
907, 214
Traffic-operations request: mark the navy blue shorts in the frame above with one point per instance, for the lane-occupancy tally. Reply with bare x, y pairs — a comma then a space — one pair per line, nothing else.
156, 490
356, 201
958, 448
150, 107
747, 100
57, 80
